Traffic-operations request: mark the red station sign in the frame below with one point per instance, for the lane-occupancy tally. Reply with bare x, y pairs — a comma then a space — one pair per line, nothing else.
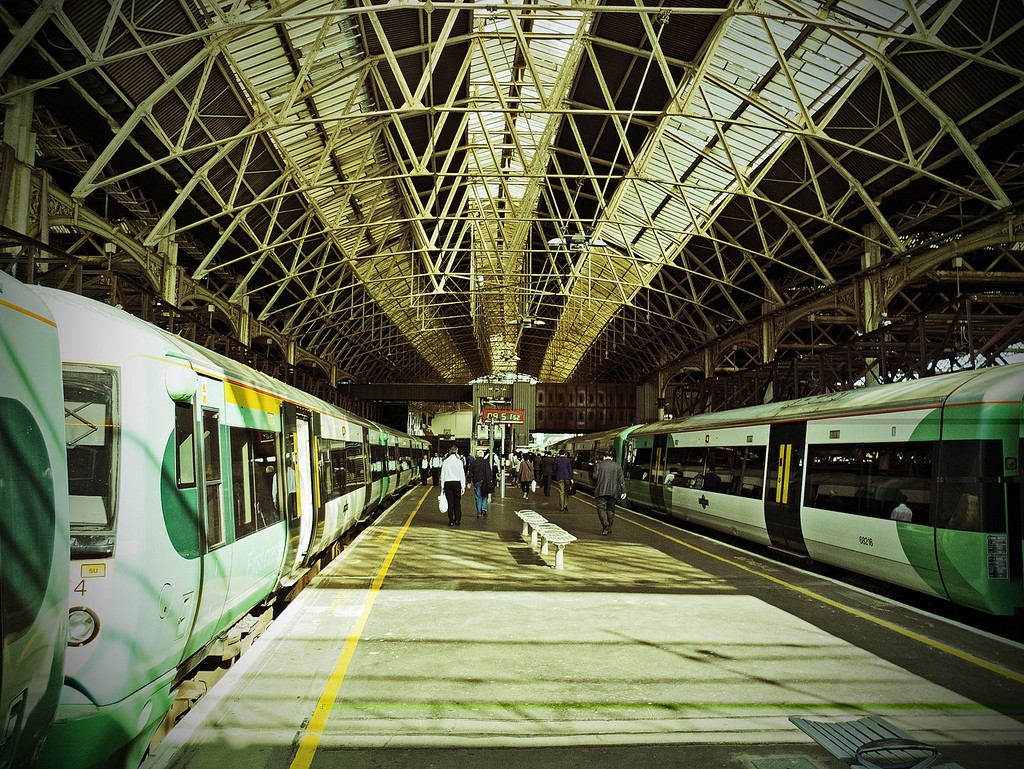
502, 417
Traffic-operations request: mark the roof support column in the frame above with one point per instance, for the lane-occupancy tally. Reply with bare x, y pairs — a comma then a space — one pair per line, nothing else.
18, 193
167, 247
873, 297
245, 326
769, 338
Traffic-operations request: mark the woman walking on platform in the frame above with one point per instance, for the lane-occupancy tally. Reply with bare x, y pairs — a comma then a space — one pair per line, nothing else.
526, 475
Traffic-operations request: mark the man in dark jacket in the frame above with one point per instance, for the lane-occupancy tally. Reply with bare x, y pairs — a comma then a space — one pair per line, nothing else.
481, 475
609, 484
547, 471
563, 478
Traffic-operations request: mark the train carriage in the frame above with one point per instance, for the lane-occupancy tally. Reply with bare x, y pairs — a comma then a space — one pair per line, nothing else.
583, 450
947, 449
381, 475
199, 488
411, 451
709, 475
344, 476
33, 523
916, 483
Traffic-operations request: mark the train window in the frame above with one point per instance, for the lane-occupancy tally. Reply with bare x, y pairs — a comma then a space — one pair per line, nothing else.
333, 473
184, 453
211, 453
91, 435
685, 464
582, 460
639, 468
736, 470
355, 462
871, 479
339, 464
253, 464
971, 493
378, 456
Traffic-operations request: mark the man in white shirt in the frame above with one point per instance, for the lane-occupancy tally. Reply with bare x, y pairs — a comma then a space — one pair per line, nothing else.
435, 469
453, 484
902, 512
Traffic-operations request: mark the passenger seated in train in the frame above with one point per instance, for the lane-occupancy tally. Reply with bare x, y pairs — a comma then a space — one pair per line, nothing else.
902, 512
712, 481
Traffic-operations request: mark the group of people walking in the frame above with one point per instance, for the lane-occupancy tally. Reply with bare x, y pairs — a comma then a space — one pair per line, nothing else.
532, 472
536, 472
456, 473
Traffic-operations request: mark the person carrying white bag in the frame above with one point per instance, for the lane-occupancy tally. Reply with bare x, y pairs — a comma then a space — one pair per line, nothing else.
453, 486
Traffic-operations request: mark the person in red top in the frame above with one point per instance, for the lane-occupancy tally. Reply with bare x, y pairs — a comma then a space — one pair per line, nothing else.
526, 474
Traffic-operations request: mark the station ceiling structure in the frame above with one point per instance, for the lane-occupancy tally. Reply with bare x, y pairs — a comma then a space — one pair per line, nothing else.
568, 190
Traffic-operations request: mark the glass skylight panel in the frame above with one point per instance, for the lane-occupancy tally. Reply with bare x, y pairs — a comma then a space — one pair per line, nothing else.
823, 65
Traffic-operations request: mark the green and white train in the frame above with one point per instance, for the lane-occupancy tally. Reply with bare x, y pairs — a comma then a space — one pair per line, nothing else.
198, 490
916, 484
33, 523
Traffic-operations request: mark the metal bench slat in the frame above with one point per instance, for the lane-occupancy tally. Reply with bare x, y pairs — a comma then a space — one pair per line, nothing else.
887, 745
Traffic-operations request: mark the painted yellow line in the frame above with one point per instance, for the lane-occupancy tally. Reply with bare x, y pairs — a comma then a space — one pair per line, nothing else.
991, 667
318, 720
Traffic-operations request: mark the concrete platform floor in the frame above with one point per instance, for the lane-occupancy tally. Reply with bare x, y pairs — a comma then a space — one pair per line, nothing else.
430, 646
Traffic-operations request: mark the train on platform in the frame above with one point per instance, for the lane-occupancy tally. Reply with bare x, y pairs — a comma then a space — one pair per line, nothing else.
915, 484
192, 491
33, 523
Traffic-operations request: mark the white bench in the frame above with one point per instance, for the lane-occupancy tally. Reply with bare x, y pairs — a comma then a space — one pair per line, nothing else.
531, 520
537, 526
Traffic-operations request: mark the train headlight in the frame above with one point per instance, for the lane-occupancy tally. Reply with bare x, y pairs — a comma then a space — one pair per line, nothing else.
82, 626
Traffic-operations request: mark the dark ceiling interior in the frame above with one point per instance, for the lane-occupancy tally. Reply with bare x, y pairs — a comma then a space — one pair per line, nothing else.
559, 191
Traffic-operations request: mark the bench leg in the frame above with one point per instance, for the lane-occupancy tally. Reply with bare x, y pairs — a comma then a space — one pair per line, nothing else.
558, 556
526, 529
544, 545
533, 537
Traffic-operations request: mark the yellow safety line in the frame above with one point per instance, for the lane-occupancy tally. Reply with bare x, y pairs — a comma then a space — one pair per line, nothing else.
997, 669
318, 720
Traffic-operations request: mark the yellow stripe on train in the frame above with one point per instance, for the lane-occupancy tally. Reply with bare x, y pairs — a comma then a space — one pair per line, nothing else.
256, 409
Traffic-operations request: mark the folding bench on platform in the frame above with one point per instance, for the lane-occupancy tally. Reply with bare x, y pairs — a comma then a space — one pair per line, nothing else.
872, 743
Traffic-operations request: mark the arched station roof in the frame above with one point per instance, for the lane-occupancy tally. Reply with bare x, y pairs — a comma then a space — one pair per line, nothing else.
566, 189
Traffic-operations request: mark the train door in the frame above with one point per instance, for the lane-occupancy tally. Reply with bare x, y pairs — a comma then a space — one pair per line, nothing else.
317, 503
303, 460
1015, 506
660, 497
215, 563
378, 465
293, 483
783, 489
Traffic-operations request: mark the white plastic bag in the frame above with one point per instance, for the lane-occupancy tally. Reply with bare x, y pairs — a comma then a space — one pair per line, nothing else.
442, 502
533, 486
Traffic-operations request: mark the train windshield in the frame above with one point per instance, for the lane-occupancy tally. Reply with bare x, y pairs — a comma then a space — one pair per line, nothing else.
91, 428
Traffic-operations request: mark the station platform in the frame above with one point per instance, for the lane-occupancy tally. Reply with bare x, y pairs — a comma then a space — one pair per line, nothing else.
425, 645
